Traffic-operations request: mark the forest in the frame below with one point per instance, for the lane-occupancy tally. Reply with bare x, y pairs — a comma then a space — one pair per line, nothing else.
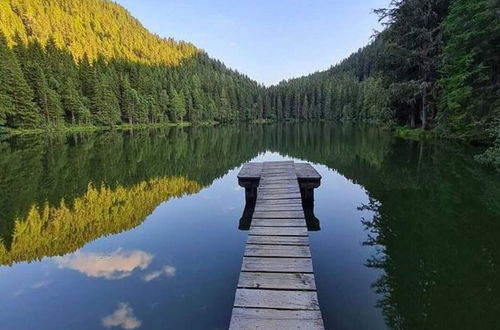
435, 68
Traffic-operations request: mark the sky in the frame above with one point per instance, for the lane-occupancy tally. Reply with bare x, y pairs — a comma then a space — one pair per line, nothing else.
268, 40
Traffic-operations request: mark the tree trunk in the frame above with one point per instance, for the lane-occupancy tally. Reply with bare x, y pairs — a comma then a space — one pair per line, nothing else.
424, 108
412, 118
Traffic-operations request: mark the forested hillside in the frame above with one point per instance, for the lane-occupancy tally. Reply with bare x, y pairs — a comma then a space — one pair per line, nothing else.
436, 66
89, 62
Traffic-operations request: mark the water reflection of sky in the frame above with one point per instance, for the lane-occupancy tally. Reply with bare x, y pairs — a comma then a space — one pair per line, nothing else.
179, 268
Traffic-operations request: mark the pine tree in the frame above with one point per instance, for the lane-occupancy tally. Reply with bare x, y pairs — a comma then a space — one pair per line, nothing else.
45, 97
471, 73
17, 96
177, 106
105, 106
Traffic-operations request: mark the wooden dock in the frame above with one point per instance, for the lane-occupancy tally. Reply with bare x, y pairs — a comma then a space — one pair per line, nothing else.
276, 288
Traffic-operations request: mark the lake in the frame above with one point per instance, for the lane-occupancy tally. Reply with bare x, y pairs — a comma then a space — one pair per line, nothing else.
140, 229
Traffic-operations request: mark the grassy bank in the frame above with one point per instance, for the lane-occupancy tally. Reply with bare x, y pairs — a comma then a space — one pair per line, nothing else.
413, 133
92, 128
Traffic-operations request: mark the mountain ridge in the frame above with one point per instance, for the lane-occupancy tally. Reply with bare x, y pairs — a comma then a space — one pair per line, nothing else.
90, 27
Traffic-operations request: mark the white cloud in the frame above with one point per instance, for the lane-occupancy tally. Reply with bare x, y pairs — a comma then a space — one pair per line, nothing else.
112, 266
40, 284
167, 271
151, 276
122, 317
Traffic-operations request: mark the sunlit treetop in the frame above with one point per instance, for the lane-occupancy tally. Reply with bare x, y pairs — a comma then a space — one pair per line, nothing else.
92, 27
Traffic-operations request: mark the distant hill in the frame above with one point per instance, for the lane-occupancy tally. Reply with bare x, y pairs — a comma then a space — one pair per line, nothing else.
89, 27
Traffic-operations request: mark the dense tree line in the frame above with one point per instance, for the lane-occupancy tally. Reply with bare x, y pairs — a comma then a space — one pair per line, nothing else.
91, 63
435, 66
45, 86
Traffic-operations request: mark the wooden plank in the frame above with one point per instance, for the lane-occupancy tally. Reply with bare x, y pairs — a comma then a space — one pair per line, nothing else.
263, 319
278, 231
278, 223
279, 203
274, 208
279, 185
278, 190
275, 265
277, 251
283, 179
303, 300
250, 171
304, 170
295, 281
290, 205
278, 240
278, 196
279, 214
267, 181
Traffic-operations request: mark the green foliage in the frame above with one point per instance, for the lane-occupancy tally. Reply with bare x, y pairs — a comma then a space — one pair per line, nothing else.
470, 75
92, 27
15, 94
435, 66
492, 155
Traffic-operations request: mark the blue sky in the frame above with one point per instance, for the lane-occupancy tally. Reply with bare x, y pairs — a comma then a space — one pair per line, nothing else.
267, 40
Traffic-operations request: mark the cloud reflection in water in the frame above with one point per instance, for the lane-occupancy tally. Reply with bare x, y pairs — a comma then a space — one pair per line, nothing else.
167, 271
122, 317
112, 266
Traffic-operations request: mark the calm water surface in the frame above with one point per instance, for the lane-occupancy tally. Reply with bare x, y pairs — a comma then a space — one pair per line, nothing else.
140, 229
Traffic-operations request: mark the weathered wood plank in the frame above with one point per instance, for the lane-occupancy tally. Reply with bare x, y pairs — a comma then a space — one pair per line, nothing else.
279, 185
296, 201
266, 182
304, 170
250, 171
303, 300
278, 223
279, 214
263, 319
275, 265
294, 281
278, 240
275, 190
277, 251
278, 207
278, 231
278, 196
264, 205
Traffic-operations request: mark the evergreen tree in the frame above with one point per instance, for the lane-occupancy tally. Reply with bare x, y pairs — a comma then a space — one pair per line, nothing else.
177, 106
17, 96
105, 106
471, 72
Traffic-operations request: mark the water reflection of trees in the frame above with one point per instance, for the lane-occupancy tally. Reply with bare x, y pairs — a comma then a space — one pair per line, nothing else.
435, 210
51, 231
436, 228
38, 170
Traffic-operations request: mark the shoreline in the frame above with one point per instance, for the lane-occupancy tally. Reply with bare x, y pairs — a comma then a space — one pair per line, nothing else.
91, 128
403, 132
